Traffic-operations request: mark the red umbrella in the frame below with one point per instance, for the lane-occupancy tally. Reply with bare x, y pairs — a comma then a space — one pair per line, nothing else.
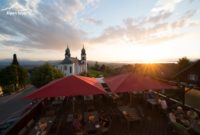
69, 86
130, 82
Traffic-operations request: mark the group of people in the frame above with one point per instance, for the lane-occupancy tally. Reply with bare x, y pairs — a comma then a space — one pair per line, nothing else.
184, 119
77, 123
81, 125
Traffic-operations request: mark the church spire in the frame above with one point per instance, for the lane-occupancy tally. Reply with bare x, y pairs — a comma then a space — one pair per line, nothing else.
15, 61
83, 53
67, 52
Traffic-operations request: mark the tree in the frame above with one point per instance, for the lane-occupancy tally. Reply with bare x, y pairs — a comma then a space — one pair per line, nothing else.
96, 66
45, 74
183, 63
103, 67
13, 78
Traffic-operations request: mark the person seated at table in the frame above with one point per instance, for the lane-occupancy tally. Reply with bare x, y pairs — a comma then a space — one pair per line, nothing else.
175, 126
81, 119
77, 125
163, 105
192, 115
104, 121
172, 116
184, 121
179, 110
91, 117
42, 124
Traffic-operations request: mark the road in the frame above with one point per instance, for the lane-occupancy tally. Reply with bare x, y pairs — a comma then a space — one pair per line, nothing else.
14, 103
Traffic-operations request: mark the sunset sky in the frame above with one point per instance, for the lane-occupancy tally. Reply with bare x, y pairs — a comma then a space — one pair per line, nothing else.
111, 30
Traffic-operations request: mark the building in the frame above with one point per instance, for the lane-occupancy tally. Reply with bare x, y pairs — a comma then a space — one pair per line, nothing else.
72, 65
190, 76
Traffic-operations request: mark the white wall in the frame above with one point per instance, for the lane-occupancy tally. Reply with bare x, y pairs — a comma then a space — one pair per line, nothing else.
65, 68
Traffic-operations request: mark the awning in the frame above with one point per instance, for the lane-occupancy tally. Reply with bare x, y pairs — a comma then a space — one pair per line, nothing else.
134, 82
69, 86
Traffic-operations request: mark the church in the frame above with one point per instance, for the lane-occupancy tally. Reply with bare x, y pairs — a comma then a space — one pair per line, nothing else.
72, 65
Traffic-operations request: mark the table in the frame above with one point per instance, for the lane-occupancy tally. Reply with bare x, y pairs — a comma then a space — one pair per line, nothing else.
47, 125
57, 102
130, 114
152, 101
69, 117
91, 127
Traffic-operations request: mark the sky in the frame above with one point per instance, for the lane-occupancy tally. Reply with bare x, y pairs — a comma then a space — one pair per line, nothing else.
110, 30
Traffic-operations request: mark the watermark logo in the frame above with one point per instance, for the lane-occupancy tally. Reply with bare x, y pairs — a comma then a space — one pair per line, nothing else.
16, 9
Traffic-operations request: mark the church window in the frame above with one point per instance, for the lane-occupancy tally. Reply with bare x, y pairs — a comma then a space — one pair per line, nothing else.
65, 67
70, 69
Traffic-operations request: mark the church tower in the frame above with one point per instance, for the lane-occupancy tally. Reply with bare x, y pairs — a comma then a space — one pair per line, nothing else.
67, 53
83, 60
83, 54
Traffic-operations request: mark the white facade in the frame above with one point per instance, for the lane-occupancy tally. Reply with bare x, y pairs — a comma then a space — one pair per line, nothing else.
73, 66
67, 69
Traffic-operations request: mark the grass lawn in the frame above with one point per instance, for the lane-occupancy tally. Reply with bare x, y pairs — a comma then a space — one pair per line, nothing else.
94, 73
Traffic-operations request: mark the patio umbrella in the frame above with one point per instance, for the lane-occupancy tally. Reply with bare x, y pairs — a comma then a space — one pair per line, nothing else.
69, 86
130, 82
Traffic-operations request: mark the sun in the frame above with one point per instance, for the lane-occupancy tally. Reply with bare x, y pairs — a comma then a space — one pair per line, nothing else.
149, 54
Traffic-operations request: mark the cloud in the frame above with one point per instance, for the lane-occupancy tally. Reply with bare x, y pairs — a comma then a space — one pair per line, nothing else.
160, 16
156, 40
48, 27
148, 30
165, 5
93, 21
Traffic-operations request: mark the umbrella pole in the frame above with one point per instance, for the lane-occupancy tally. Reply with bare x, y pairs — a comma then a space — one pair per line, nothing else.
73, 105
130, 98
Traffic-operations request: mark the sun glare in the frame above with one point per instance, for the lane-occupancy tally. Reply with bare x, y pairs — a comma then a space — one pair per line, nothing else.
149, 54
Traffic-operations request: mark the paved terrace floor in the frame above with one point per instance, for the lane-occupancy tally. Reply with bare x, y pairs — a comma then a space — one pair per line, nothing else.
153, 122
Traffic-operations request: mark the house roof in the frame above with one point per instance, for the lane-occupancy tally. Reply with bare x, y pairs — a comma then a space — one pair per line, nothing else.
134, 82
67, 60
74, 59
187, 68
69, 86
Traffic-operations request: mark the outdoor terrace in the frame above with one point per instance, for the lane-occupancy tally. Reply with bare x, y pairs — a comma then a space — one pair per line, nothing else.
152, 122
55, 116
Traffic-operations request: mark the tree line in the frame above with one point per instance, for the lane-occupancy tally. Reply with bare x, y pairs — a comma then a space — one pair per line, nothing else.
15, 77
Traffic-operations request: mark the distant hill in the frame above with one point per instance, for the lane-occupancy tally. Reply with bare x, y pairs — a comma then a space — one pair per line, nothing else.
31, 64
110, 64
27, 63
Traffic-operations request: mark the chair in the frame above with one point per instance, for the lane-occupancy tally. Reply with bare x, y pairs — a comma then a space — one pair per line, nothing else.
106, 129
92, 132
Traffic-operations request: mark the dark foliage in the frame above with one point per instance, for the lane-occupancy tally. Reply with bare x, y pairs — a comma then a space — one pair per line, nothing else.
45, 74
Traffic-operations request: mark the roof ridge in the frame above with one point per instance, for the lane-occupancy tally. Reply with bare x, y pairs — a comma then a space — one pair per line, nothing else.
128, 74
79, 77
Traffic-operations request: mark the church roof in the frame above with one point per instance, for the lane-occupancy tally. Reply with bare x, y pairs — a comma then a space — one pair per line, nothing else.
83, 51
67, 60
74, 59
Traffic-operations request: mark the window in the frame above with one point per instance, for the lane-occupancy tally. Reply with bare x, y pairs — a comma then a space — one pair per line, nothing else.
65, 67
70, 69
193, 77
